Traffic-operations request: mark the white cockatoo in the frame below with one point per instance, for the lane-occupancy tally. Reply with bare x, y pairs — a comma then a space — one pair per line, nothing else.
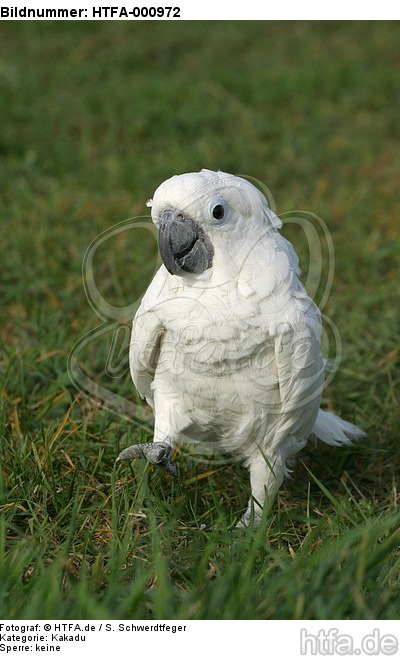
226, 344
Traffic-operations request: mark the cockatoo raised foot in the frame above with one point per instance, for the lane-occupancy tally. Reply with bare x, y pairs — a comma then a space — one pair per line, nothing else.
157, 453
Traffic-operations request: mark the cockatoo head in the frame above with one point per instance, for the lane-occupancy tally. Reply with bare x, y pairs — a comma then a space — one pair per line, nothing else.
199, 214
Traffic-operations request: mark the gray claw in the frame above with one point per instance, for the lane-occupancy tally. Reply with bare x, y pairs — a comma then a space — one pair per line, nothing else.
157, 453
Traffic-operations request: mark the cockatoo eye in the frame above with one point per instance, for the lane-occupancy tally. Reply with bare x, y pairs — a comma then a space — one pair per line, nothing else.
217, 211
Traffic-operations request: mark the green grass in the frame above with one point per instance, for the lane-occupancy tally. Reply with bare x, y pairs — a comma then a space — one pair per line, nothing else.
93, 118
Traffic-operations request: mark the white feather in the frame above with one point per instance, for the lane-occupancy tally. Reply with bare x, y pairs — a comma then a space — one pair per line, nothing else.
335, 431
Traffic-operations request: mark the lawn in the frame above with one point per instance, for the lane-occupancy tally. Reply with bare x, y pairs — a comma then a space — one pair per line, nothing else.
94, 116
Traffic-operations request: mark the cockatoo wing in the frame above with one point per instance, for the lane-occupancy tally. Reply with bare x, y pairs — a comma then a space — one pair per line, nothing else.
146, 338
144, 351
300, 368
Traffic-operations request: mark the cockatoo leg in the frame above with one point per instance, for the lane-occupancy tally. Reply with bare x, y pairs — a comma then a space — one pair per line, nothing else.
266, 476
157, 453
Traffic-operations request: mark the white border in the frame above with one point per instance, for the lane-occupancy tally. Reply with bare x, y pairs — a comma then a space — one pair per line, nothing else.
207, 10
183, 637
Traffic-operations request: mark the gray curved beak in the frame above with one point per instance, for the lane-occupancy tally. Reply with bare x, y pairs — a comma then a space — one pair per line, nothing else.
183, 244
